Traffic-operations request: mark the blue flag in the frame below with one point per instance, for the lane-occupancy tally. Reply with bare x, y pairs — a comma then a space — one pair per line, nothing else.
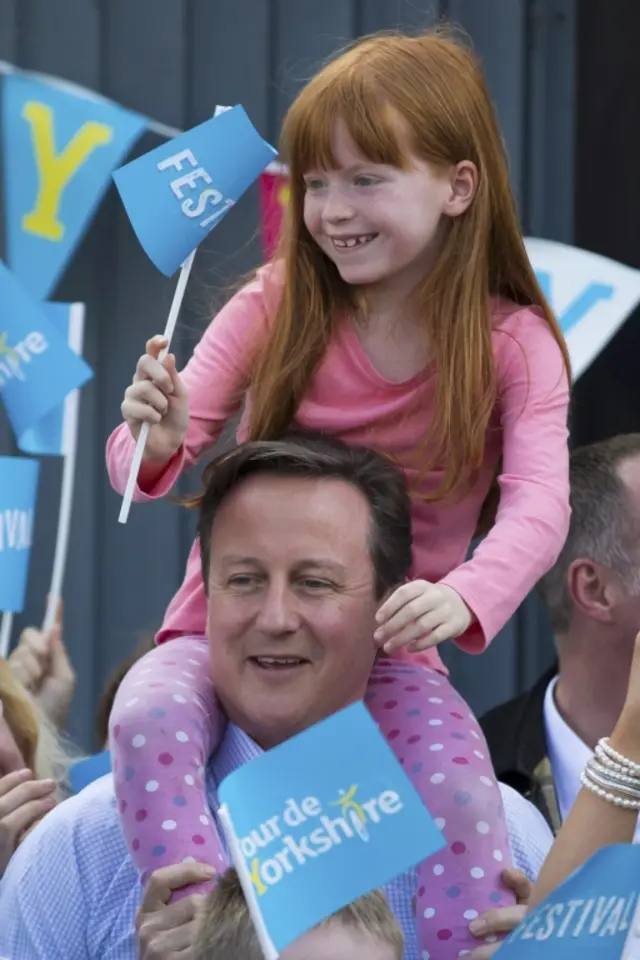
18, 489
37, 367
89, 769
174, 195
590, 295
51, 436
321, 820
589, 916
60, 149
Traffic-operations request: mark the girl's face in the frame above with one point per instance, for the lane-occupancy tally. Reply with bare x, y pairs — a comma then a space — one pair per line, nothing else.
380, 224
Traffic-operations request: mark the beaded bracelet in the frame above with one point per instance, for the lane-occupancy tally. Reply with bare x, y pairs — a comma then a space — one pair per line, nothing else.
605, 747
607, 795
613, 775
610, 783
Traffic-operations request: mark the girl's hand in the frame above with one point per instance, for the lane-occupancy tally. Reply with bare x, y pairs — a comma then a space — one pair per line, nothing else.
158, 397
420, 615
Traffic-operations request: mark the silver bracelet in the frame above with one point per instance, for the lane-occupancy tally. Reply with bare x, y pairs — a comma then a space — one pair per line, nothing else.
603, 758
612, 773
616, 757
611, 782
617, 801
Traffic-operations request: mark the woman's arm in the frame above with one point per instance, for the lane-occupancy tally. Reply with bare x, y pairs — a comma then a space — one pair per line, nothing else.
593, 822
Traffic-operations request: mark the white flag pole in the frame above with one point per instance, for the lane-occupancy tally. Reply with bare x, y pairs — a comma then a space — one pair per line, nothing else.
6, 625
268, 947
172, 319
69, 450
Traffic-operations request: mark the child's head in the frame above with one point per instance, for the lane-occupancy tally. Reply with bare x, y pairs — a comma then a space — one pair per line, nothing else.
399, 187
396, 139
365, 930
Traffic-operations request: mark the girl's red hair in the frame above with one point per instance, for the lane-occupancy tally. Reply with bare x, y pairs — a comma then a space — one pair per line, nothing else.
384, 88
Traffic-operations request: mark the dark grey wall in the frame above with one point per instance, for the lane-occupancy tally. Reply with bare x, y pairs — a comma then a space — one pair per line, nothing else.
173, 60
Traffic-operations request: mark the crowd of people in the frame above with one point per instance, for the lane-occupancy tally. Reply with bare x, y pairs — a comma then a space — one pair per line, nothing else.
406, 391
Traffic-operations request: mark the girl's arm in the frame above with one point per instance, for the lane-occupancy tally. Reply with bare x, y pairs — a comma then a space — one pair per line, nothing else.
216, 378
594, 823
533, 515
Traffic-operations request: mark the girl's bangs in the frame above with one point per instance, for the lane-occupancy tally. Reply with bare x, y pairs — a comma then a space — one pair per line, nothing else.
374, 125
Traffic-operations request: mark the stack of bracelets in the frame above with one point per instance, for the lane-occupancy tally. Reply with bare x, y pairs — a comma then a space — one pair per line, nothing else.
612, 777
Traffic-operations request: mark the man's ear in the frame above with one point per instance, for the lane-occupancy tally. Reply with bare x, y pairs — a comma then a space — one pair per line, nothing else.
593, 589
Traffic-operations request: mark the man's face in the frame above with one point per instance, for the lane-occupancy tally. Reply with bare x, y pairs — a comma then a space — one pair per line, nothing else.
291, 603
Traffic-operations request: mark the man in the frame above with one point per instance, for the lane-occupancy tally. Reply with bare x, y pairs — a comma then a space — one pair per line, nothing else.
300, 541
541, 741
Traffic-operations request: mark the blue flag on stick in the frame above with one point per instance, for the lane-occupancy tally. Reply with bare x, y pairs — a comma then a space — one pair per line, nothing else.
590, 916
18, 490
176, 194
320, 820
38, 369
51, 436
60, 149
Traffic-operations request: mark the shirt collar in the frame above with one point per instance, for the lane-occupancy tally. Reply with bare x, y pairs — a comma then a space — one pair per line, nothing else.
236, 749
568, 754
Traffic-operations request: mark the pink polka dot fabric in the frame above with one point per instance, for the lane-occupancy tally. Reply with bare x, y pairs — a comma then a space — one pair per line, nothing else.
165, 724
443, 752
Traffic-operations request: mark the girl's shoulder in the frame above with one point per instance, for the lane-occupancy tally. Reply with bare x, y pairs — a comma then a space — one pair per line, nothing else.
250, 312
506, 315
264, 289
517, 324
525, 342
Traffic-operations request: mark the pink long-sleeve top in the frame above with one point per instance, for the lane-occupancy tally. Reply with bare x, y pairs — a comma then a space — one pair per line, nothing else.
350, 399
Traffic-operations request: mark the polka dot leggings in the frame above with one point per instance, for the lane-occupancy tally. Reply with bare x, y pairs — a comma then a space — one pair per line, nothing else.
165, 724
442, 750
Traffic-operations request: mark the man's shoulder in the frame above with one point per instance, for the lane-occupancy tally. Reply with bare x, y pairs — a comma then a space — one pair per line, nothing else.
94, 808
515, 732
84, 829
71, 889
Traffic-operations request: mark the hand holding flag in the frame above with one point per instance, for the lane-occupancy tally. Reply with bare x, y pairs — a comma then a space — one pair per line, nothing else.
175, 195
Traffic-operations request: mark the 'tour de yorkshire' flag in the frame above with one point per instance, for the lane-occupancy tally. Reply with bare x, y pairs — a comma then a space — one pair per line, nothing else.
319, 821
38, 369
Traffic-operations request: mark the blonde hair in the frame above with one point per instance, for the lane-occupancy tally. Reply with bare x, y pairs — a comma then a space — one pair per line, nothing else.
44, 751
399, 95
226, 931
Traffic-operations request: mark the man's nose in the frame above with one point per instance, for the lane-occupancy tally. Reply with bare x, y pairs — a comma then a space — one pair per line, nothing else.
278, 614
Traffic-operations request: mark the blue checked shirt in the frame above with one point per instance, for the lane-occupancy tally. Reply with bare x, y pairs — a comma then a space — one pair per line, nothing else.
71, 891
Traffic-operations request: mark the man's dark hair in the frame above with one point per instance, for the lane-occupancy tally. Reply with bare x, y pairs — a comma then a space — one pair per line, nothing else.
315, 456
603, 526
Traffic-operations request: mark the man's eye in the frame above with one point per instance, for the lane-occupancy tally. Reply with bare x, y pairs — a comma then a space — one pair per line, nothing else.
312, 583
242, 580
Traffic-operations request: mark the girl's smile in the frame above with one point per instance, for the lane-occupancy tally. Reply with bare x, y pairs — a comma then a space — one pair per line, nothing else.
379, 223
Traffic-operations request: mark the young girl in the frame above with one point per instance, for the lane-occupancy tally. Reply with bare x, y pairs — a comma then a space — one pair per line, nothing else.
402, 313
